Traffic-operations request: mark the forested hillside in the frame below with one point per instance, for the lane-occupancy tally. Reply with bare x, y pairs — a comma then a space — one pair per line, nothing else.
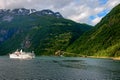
103, 39
43, 32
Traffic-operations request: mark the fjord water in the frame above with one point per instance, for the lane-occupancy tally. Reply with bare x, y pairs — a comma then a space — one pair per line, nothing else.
59, 68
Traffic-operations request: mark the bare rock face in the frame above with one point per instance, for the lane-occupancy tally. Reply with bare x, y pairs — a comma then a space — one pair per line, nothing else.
22, 11
48, 12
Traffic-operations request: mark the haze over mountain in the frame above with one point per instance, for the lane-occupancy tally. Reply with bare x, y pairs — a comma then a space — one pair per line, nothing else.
103, 39
44, 32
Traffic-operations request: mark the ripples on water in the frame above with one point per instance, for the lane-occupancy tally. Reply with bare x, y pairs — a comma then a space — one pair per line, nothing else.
59, 68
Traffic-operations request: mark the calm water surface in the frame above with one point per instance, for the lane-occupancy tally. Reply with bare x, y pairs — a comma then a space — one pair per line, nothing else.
59, 68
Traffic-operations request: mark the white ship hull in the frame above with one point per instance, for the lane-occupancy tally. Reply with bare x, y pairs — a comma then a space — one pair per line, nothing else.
22, 55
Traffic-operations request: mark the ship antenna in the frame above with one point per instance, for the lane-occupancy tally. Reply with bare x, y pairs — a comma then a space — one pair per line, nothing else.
21, 51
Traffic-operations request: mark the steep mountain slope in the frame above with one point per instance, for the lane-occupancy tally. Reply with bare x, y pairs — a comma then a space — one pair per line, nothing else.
103, 40
44, 31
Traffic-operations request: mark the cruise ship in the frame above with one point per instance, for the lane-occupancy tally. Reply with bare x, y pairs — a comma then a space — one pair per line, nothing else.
22, 55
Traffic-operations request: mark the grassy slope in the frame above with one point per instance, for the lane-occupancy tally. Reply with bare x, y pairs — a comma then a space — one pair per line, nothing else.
103, 40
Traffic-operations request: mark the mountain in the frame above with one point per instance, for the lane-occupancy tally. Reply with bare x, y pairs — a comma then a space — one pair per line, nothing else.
43, 32
103, 39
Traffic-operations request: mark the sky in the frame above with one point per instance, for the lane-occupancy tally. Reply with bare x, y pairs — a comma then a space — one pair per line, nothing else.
81, 11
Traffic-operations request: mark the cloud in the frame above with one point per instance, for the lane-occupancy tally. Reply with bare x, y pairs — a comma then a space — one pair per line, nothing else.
77, 10
2, 4
39, 4
96, 20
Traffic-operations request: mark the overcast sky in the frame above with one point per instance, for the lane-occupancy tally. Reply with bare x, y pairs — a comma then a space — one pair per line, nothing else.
82, 11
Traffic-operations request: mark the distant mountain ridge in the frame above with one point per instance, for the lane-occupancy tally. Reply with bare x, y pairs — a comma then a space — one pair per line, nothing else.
44, 32
23, 11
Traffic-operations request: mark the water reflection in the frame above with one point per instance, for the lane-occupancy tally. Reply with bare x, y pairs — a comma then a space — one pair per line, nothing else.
80, 64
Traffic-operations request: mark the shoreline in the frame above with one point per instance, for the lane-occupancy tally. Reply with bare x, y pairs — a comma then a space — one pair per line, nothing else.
113, 58
85, 56
116, 58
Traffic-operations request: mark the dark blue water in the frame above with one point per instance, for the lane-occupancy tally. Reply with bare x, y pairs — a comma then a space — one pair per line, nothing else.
59, 68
